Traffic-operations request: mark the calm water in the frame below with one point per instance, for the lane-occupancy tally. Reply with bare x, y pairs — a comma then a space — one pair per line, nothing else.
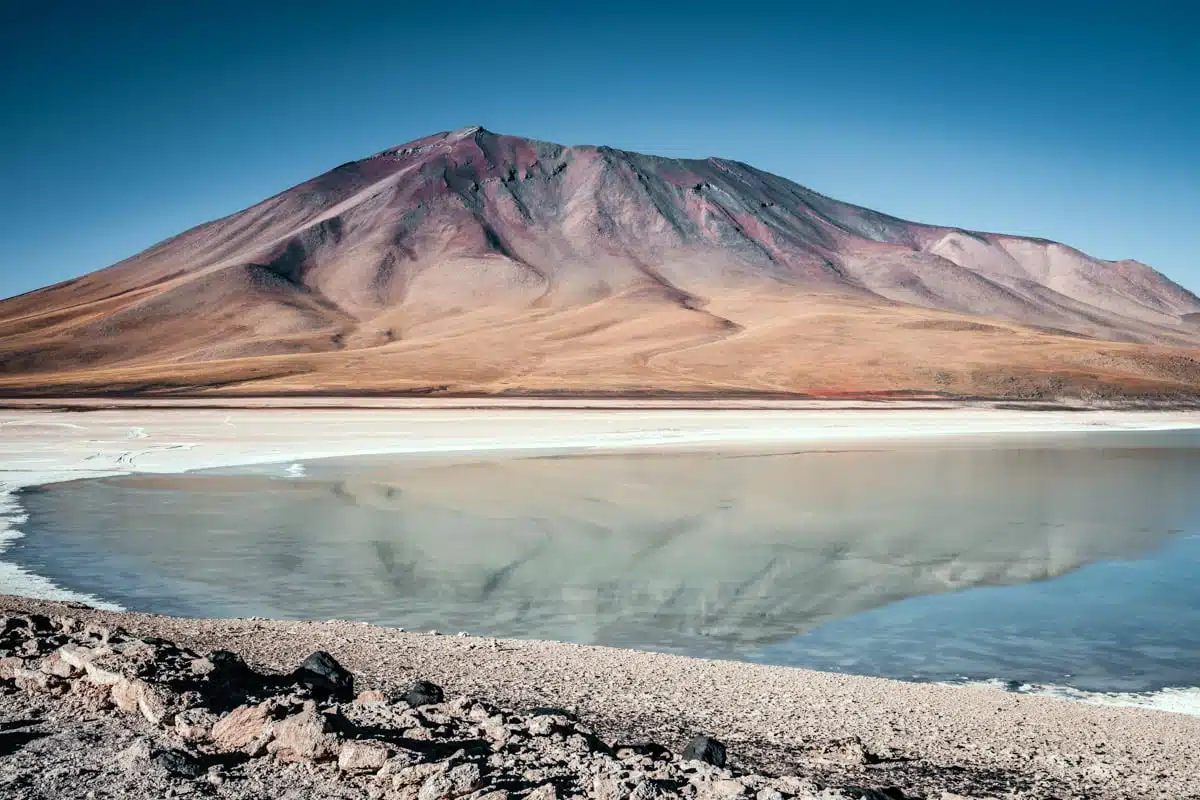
1071, 560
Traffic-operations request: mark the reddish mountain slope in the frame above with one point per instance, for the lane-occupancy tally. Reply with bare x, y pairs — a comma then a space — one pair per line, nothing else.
472, 261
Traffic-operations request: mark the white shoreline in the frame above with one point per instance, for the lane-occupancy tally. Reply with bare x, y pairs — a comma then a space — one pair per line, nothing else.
41, 447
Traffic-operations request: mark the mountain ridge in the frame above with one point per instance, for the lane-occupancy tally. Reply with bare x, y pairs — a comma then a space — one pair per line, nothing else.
418, 253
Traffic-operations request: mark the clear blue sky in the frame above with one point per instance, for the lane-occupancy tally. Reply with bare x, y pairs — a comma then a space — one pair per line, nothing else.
124, 122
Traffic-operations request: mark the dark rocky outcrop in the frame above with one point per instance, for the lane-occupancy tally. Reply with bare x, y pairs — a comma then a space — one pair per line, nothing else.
706, 749
322, 672
423, 693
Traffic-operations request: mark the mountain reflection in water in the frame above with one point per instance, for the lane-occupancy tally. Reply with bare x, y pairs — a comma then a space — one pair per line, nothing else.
713, 553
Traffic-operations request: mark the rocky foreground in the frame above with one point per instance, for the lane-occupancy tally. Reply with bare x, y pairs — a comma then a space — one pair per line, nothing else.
88, 709
102, 704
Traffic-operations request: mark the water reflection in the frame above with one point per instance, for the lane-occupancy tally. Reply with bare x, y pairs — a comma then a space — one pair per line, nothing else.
709, 553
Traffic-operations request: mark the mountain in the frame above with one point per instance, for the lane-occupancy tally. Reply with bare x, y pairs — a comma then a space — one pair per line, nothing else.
471, 261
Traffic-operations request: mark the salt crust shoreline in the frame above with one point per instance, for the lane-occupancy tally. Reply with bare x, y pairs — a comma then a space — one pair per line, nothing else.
40, 447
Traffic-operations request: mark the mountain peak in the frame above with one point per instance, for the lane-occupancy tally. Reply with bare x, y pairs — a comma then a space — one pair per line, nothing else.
473, 259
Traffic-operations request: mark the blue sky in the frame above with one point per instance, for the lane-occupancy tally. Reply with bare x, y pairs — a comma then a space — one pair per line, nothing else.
124, 122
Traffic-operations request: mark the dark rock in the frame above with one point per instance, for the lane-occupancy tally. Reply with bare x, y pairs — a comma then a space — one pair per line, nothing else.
706, 749
227, 663
861, 793
178, 763
424, 693
322, 672
551, 711
651, 750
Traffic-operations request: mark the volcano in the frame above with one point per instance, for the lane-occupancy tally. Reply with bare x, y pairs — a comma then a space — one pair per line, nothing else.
474, 262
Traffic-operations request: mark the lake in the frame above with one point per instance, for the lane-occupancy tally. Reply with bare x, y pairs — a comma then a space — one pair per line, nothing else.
1068, 561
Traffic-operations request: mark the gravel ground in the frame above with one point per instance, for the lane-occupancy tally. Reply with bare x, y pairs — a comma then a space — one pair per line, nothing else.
921, 739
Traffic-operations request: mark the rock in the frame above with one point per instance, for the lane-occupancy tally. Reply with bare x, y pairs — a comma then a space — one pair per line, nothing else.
91, 696
140, 757
8, 667
651, 750
769, 794
495, 794
460, 707
544, 725
158, 703
371, 697
125, 694
647, 789
544, 792
793, 785
106, 669
436, 787
706, 749
479, 711
400, 761
494, 730
226, 663
321, 671
455, 782
850, 751
34, 647
551, 711
424, 693
32, 680
465, 778
243, 725
861, 793
155, 702
580, 743
104, 633
78, 657
609, 789
136, 757
177, 763
363, 756
54, 664
201, 667
307, 736
195, 724
725, 789
415, 775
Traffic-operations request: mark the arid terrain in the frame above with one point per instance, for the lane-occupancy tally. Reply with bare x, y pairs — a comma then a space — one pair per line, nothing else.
472, 262
138, 705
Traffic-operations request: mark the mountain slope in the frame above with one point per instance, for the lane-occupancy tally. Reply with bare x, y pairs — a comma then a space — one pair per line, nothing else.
471, 261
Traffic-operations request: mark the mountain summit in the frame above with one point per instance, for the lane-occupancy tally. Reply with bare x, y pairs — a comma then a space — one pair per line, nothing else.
478, 262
